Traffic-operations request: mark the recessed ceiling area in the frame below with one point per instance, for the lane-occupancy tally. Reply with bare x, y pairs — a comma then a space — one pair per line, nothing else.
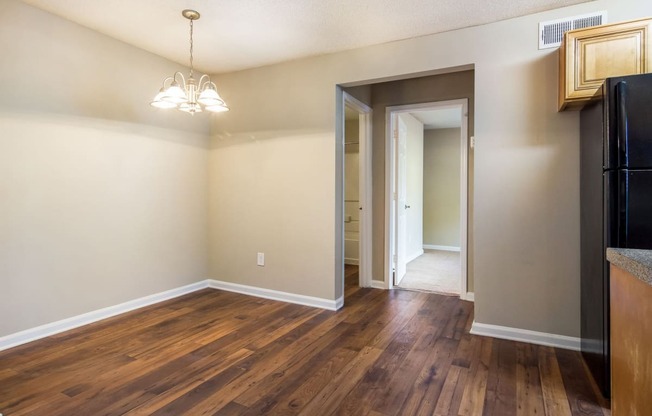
234, 34
447, 118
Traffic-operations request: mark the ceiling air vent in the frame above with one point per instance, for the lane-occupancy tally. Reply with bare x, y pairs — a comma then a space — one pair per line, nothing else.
552, 32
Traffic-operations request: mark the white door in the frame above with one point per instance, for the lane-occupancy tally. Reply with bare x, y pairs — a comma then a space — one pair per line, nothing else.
401, 207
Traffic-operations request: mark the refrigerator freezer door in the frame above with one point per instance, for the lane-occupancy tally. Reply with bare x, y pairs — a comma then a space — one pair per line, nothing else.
635, 209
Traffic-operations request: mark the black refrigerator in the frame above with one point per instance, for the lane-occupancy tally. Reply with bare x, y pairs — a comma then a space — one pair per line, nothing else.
615, 201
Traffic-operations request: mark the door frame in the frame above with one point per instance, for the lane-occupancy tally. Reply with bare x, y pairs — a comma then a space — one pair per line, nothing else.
390, 172
399, 261
365, 186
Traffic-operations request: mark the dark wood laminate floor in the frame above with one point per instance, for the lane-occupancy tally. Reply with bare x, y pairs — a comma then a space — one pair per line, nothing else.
218, 353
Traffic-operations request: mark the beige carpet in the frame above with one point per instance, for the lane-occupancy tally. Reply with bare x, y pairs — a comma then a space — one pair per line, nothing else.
434, 271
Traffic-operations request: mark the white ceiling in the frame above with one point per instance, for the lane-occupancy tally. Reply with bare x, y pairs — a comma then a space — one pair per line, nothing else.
239, 34
439, 119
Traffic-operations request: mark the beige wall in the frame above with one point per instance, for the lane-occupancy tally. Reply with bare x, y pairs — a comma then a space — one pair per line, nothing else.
103, 199
272, 180
272, 196
526, 204
441, 187
414, 186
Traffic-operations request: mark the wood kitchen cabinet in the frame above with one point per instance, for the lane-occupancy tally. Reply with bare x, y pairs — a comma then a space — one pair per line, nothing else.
588, 56
631, 338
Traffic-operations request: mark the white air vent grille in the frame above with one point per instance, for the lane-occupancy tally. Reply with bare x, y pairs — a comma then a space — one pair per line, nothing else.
552, 32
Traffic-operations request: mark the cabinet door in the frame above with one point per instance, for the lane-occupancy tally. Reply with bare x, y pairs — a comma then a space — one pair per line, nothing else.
588, 56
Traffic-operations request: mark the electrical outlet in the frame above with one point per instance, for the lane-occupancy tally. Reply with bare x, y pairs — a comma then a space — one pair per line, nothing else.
261, 259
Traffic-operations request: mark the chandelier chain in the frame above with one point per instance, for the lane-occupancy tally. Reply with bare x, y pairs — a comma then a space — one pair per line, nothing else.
191, 47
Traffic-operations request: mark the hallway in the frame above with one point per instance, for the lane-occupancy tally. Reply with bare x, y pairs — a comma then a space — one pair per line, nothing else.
434, 271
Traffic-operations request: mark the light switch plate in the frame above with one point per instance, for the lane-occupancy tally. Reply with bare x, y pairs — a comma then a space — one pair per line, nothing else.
261, 259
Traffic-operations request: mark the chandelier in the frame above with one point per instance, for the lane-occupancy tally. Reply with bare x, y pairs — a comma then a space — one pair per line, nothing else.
188, 95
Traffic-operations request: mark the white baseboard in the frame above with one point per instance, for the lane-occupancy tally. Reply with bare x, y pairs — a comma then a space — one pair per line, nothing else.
524, 335
33, 334
378, 284
354, 262
413, 256
443, 248
42, 331
315, 302
470, 296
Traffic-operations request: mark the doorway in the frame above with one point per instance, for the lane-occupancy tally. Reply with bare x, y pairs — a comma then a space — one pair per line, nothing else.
357, 190
427, 201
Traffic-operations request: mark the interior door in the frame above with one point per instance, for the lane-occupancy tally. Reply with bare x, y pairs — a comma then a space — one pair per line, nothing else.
400, 136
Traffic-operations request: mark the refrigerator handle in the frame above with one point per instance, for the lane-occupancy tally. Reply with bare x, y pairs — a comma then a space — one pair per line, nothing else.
621, 123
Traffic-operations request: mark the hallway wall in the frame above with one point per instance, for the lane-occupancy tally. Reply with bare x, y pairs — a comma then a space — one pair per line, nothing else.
441, 187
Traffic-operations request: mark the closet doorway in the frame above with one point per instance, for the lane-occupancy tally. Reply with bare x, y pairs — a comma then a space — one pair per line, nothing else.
357, 190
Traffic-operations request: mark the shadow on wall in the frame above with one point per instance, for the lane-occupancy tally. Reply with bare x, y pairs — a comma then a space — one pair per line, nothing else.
226, 139
100, 125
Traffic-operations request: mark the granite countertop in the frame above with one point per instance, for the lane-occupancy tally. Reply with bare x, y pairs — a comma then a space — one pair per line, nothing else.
636, 262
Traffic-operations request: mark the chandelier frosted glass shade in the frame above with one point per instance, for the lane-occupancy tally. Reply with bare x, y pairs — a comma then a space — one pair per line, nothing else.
159, 103
209, 97
174, 94
187, 95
